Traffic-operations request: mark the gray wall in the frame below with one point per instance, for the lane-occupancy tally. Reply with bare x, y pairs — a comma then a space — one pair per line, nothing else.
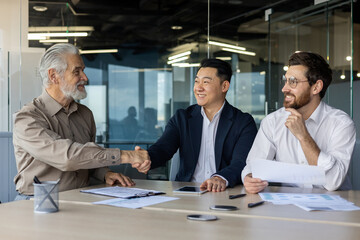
355, 166
339, 97
7, 168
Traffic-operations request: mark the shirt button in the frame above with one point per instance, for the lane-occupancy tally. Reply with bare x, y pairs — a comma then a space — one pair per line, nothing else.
113, 162
112, 157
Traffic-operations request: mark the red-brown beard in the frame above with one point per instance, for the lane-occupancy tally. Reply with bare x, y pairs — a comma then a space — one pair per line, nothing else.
299, 102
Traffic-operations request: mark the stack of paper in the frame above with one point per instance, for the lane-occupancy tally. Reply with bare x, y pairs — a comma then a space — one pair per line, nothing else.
135, 202
311, 202
129, 197
122, 192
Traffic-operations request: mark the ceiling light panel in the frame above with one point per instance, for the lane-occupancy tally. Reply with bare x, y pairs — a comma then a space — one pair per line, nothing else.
54, 40
176, 27
62, 29
40, 8
98, 51
179, 55
226, 45
186, 64
239, 51
38, 36
178, 60
224, 58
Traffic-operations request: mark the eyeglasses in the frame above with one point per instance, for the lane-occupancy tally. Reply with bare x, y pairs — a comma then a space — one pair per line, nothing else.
292, 81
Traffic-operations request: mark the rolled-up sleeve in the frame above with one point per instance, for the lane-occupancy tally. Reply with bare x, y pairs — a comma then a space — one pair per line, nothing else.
336, 160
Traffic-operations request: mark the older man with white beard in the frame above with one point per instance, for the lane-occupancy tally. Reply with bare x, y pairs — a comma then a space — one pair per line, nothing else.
54, 135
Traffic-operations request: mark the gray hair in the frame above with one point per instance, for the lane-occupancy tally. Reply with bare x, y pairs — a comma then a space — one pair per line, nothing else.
55, 57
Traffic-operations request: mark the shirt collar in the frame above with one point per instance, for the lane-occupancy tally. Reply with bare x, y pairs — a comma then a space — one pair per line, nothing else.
317, 115
73, 107
216, 114
52, 106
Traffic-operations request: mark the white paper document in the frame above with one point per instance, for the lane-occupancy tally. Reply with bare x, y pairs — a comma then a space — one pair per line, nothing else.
331, 207
310, 202
122, 192
273, 171
135, 202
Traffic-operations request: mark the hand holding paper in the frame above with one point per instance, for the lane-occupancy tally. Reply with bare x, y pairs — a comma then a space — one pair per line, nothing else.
254, 185
273, 171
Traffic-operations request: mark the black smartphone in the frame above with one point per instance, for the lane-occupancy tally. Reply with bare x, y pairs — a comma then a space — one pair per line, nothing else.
190, 189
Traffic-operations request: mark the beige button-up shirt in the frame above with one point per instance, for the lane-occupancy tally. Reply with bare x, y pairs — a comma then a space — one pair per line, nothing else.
51, 143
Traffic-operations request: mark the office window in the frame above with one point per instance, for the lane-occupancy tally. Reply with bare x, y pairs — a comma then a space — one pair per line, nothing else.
139, 104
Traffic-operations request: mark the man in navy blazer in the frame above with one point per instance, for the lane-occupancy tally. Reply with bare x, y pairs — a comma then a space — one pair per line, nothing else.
212, 136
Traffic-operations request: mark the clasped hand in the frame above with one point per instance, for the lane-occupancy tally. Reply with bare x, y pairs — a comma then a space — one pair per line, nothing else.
141, 160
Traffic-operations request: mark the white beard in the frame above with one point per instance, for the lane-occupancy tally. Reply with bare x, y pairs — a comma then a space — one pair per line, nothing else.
73, 92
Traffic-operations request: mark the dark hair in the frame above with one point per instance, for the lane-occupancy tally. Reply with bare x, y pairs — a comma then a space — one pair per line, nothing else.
318, 68
224, 71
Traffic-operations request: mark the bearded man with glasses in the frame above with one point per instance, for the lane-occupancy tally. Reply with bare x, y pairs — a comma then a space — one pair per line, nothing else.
306, 130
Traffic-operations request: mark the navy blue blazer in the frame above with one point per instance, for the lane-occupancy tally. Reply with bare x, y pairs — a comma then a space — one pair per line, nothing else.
234, 137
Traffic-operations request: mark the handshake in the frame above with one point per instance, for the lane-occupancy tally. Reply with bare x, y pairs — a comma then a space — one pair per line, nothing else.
138, 159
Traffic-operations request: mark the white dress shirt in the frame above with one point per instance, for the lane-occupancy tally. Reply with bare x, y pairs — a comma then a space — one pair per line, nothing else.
332, 130
206, 167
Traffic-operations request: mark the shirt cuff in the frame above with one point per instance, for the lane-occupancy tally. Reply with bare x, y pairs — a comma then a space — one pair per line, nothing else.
245, 172
325, 161
113, 156
217, 175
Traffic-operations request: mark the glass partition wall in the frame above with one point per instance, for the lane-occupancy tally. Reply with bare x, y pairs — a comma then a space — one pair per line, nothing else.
270, 36
324, 29
134, 91
276, 32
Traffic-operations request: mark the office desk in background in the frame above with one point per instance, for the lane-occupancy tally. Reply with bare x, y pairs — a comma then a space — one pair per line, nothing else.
79, 219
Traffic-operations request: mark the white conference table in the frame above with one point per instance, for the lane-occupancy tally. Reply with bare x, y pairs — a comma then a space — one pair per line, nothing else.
199, 204
84, 221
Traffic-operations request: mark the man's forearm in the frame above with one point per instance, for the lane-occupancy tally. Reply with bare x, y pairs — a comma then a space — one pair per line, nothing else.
310, 149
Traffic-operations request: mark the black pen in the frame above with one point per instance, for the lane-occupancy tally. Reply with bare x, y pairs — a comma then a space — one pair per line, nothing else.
237, 196
251, 205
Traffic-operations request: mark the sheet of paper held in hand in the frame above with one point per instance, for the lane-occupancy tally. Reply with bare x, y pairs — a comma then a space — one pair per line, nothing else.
273, 171
122, 192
